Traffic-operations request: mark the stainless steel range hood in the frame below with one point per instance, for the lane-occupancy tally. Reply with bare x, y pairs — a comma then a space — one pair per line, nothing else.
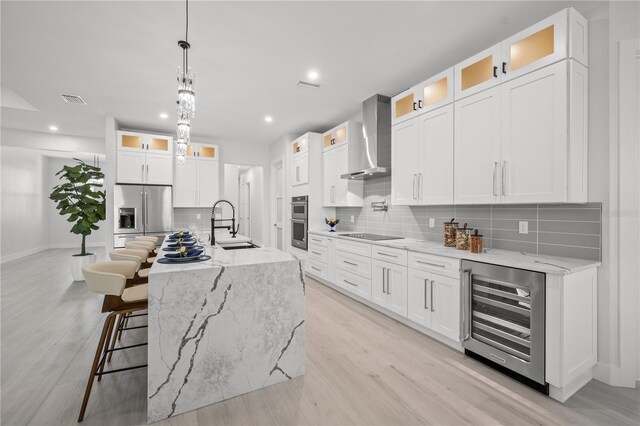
370, 155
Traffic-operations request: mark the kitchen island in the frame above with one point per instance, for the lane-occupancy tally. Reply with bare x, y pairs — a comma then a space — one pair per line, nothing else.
223, 327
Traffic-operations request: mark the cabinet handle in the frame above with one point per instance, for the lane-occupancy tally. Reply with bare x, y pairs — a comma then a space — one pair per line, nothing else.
388, 282
313, 267
425, 293
385, 254
147, 173
414, 186
318, 241
504, 68
142, 173
504, 178
430, 264
349, 282
350, 263
383, 279
495, 166
495, 72
315, 252
432, 308
420, 103
415, 106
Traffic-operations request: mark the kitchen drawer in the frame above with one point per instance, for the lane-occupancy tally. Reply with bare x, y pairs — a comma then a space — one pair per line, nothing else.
353, 263
389, 254
435, 264
318, 253
318, 240
319, 269
354, 283
363, 249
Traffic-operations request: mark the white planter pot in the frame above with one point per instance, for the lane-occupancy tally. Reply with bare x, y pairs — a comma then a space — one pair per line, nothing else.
77, 262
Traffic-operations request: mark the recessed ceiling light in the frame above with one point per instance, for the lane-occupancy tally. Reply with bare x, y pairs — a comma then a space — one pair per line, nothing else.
164, 115
53, 128
268, 119
312, 75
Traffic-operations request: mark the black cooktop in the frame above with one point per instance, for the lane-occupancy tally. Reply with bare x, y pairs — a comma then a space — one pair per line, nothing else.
371, 237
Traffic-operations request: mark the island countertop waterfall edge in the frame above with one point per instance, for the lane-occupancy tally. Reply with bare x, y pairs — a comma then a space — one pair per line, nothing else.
222, 328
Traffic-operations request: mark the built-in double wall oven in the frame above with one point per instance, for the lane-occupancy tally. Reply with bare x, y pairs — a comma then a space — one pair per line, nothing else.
299, 221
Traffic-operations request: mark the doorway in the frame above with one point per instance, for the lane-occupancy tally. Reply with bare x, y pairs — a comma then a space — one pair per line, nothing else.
277, 197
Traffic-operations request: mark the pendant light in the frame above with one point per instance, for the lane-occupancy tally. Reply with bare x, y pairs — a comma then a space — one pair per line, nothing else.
186, 97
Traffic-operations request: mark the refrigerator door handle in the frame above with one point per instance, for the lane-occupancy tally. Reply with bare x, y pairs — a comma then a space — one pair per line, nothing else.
146, 210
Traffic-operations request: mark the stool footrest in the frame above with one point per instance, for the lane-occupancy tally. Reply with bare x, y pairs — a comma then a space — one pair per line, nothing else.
118, 370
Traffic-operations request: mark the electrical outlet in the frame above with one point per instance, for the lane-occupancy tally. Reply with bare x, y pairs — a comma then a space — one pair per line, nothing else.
352, 219
432, 222
523, 227
198, 216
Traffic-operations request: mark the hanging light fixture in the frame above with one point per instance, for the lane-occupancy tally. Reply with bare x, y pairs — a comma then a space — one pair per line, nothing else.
186, 97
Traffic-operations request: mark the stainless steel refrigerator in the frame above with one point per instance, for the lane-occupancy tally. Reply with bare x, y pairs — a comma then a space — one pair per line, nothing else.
141, 210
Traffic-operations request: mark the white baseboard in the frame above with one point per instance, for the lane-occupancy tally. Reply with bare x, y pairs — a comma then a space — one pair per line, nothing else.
35, 250
21, 254
614, 376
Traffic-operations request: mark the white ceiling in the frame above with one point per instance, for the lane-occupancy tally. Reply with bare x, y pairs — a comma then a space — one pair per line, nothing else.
121, 57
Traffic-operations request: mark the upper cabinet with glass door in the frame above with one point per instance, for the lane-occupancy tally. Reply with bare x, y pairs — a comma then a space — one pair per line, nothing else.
204, 151
433, 93
561, 36
341, 134
142, 142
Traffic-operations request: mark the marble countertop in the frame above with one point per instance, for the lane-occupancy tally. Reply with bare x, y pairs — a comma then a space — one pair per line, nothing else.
221, 257
515, 259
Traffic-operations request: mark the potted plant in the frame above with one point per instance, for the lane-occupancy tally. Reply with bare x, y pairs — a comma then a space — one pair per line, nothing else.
80, 198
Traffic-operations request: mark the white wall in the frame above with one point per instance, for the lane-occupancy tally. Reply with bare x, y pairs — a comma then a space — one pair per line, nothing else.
58, 229
23, 222
51, 141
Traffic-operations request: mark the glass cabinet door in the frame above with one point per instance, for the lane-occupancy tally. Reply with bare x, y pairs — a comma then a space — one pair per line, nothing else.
436, 91
207, 152
536, 47
131, 141
299, 146
478, 73
158, 144
404, 106
336, 136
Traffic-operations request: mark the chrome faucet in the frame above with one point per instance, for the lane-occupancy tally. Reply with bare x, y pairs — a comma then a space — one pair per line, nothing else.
232, 228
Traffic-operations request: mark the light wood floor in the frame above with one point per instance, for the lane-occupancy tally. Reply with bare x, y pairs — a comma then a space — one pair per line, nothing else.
362, 368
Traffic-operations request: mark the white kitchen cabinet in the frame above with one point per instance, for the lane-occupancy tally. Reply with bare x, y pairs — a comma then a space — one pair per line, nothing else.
197, 183
478, 73
563, 35
300, 169
130, 166
341, 135
338, 192
477, 148
434, 302
144, 159
389, 286
432, 93
534, 136
422, 159
524, 141
405, 162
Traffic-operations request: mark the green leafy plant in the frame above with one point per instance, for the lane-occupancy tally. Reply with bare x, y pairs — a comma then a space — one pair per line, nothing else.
79, 198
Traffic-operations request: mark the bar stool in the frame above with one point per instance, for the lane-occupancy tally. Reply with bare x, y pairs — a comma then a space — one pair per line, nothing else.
135, 255
143, 245
120, 298
151, 238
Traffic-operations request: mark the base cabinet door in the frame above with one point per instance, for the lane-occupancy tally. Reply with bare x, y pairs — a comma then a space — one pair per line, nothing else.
159, 169
477, 148
379, 283
130, 167
444, 306
208, 178
418, 305
397, 289
184, 184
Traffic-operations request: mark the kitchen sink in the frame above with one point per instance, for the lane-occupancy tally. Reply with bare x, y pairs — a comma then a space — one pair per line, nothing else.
238, 246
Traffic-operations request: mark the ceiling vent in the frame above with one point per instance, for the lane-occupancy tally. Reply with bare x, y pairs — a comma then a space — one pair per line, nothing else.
73, 99
307, 84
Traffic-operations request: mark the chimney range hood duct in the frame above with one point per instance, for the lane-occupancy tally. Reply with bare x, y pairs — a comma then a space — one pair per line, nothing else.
370, 155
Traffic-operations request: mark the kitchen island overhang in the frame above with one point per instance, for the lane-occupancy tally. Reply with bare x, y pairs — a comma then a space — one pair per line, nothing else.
222, 328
